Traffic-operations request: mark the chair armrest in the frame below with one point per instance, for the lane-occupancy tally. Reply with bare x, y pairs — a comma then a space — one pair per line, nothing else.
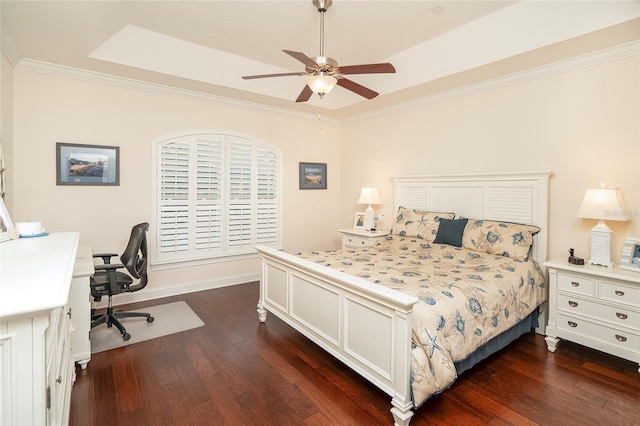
108, 267
106, 257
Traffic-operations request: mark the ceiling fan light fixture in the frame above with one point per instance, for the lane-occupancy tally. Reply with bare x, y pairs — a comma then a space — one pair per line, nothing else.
321, 84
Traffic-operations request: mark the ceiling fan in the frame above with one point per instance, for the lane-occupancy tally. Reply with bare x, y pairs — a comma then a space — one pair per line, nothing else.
324, 73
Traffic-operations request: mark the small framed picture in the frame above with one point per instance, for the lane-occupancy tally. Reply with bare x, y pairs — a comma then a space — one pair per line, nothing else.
7, 230
630, 258
313, 175
87, 164
358, 221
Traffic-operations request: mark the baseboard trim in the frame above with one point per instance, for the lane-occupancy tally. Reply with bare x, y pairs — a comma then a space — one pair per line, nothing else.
152, 294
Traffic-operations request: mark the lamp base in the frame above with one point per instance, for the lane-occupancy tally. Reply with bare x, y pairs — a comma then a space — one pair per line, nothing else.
601, 245
368, 223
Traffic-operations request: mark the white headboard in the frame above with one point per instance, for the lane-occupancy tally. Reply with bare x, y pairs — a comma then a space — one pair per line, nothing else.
521, 197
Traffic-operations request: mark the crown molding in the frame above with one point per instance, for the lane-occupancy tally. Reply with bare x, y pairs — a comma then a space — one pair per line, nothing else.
156, 88
610, 54
583, 61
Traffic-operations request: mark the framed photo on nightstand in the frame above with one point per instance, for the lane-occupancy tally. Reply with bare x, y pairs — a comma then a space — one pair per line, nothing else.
630, 258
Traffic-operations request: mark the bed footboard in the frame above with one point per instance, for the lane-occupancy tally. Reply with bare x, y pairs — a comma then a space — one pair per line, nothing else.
364, 325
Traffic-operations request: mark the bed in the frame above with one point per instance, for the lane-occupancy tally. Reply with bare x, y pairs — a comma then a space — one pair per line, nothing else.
364, 317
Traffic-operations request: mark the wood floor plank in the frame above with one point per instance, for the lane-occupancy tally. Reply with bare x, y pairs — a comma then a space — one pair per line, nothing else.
235, 370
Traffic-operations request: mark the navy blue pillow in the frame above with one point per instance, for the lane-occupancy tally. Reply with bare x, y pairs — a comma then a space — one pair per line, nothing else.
450, 232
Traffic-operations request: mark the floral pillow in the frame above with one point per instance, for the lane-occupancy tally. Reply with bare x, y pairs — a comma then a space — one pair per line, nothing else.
508, 239
418, 223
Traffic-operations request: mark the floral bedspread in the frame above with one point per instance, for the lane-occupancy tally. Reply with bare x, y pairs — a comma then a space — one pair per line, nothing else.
466, 298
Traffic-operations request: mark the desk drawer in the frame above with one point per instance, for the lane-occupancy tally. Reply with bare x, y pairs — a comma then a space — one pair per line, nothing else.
576, 284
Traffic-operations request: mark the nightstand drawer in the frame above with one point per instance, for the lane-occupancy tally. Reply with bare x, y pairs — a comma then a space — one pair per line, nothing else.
593, 309
353, 241
620, 293
608, 335
576, 284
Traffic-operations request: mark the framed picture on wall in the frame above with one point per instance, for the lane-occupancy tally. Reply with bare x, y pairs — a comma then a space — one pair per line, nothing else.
7, 230
630, 258
313, 175
87, 164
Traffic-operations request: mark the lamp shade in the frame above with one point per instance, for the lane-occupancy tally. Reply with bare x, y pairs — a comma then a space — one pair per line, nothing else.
370, 195
321, 84
603, 204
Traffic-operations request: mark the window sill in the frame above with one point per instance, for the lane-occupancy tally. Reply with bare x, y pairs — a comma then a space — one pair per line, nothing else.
161, 265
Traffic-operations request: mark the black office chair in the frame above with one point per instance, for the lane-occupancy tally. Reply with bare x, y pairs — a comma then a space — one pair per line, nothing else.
108, 281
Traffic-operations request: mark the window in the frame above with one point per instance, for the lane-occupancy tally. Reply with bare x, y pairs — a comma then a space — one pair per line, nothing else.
215, 195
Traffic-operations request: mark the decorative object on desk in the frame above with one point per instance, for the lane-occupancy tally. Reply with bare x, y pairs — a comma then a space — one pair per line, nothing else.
630, 258
30, 228
369, 195
602, 203
358, 221
170, 318
313, 175
7, 230
87, 164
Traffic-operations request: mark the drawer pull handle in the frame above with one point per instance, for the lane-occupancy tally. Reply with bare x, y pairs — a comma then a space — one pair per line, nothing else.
573, 304
621, 315
621, 338
575, 284
619, 293
572, 324
59, 379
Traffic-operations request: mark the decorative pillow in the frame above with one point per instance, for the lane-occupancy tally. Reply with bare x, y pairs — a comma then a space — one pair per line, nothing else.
450, 232
418, 223
504, 238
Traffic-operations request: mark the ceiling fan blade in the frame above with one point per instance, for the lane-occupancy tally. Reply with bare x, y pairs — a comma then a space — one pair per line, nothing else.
357, 88
307, 61
284, 74
305, 94
367, 69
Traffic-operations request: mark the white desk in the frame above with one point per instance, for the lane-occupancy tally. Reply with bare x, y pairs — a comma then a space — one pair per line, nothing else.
36, 323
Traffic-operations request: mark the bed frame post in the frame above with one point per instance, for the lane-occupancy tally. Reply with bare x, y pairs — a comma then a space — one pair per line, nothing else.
402, 402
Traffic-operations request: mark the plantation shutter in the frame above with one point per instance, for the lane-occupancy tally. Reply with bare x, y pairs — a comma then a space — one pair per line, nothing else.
240, 194
217, 195
174, 195
267, 197
209, 181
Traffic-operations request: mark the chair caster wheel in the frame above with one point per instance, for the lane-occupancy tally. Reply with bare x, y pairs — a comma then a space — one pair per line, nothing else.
126, 336
150, 319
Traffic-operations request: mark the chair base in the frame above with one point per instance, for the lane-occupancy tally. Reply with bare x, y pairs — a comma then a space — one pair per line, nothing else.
111, 318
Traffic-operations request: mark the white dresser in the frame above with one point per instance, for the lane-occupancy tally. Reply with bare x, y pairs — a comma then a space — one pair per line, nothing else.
41, 292
595, 306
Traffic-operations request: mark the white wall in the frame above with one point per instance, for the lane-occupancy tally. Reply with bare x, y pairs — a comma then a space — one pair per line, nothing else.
583, 125
6, 124
50, 109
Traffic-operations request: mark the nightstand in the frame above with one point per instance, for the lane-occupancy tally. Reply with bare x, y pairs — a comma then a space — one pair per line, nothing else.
595, 306
360, 238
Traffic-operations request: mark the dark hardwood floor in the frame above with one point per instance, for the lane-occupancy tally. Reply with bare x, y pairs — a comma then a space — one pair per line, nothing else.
236, 371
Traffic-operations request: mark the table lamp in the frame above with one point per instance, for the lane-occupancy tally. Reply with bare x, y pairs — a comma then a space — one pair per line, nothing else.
602, 203
369, 195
